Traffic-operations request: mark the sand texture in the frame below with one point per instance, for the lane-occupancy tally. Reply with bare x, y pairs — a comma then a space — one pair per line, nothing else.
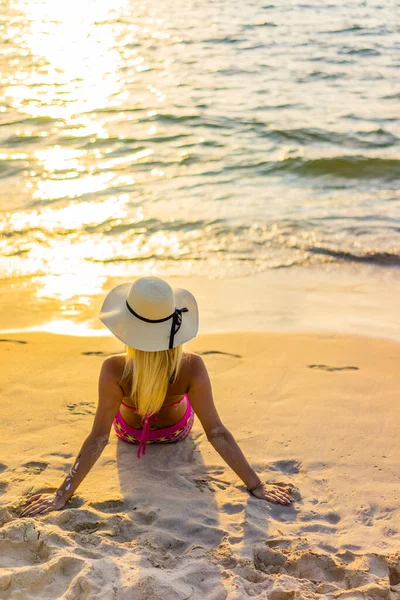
320, 411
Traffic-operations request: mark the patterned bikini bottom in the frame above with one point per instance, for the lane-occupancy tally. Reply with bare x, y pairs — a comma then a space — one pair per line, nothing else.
166, 435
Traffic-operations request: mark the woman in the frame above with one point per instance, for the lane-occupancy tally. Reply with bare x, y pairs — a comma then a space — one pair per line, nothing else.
151, 392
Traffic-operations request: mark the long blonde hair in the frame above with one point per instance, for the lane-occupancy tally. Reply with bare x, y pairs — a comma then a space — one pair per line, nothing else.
150, 373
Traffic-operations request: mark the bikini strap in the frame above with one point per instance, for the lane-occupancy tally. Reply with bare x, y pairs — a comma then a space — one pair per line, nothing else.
166, 406
173, 403
128, 405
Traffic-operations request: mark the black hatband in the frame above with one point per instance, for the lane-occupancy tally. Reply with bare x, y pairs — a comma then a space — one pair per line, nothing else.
176, 321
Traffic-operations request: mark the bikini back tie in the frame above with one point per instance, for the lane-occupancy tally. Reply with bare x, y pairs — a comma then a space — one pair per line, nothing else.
145, 434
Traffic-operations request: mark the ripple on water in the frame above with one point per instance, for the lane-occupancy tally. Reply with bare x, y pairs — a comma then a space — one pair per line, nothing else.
219, 142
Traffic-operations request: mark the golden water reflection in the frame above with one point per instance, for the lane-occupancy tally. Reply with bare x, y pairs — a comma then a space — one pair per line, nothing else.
71, 216
76, 60
73, 244
72, 68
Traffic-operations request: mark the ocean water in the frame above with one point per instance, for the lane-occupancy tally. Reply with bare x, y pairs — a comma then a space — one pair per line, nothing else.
196, 138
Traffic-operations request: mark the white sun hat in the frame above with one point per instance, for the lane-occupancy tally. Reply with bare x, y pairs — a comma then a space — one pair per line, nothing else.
149, 315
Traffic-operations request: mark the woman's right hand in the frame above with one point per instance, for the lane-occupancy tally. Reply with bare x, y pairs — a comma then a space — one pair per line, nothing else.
274, 492
42, 504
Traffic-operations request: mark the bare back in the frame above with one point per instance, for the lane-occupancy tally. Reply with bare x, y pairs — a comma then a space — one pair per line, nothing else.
175, 391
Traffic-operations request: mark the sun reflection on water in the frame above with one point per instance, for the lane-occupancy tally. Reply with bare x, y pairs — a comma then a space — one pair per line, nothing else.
72, 216
75, 56
72, 69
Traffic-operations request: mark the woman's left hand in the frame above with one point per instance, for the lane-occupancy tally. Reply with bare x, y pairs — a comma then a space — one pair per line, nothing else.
42, 504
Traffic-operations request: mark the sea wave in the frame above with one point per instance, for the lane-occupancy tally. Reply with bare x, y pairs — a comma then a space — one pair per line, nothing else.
344, 167
285, 154
386, 259
375, 138
280, 244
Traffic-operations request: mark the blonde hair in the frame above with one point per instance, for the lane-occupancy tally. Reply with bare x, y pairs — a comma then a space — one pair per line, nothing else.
150, 373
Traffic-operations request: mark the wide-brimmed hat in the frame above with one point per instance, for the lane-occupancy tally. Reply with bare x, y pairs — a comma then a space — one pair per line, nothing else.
149, 315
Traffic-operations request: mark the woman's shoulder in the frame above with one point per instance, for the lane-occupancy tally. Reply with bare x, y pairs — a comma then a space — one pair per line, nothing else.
113, 366
194, 363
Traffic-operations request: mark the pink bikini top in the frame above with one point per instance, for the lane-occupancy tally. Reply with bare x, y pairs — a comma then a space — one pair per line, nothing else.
146, 421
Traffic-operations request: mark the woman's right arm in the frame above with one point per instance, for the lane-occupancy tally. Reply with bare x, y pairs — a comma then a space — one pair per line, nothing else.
110, 396
201, 398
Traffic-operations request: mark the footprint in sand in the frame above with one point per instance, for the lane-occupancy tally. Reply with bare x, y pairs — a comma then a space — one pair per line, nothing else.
219, 483
66, 455
369, 513
109, 506
98, 353
24, 471
81, 408
329, 368
331, 517
231, 508
145, 517
289, 467
206, 352
211, 479
203, 484
35, 467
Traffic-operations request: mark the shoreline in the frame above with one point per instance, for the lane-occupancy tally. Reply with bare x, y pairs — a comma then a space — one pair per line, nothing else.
82, 333
342, 300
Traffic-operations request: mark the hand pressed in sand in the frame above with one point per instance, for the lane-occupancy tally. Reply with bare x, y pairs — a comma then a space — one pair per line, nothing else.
110, 396
273, 492
41, 504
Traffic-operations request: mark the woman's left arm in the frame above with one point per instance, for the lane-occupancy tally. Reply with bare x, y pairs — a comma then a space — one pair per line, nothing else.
110, 396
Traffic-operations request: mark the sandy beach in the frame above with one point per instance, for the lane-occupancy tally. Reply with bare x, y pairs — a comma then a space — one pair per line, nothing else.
248, 152
318, 410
